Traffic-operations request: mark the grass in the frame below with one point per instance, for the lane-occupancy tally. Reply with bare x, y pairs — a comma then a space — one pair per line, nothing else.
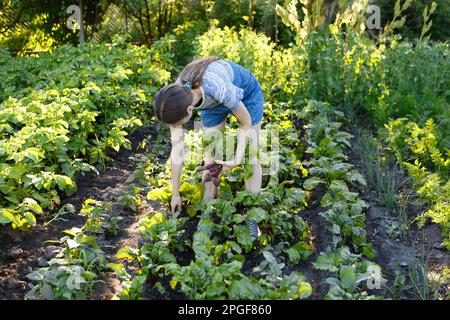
428, 284
418, 276
379, 174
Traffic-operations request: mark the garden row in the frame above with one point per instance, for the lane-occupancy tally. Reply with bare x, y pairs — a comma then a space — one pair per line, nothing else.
416, 149
344, 216
396, 89
207, 252
61, 113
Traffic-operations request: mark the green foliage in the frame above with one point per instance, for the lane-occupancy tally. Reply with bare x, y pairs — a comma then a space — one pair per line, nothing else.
415, 21
70, 275
409, 142
99, 219
344, 217
185, 35
352, 272
61, 282
373, 83
222, 238
85, 108
274, 68
417, 149
131, 198
376, 168
61, 113
203, 279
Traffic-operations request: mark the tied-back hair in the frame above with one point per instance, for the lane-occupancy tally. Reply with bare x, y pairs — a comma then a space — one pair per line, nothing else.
172, 100
194, 71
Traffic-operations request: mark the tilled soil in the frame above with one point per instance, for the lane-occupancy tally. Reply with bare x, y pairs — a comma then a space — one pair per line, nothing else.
22, 252
401, 255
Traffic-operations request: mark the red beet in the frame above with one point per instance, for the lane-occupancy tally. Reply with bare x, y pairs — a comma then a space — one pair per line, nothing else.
213, 173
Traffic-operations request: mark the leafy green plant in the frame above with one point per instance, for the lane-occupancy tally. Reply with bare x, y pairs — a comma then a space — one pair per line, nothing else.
61, 281
65, 118
351, 272
99, 219
71, 274
131, 199
417, 150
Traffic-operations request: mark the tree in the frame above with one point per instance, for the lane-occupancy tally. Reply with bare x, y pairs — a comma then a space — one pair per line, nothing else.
154, 18
42, 24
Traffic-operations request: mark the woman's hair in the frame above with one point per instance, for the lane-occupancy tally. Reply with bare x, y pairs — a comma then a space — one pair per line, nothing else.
172, 100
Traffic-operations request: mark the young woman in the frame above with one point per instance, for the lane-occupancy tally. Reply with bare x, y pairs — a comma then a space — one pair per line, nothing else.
217, 87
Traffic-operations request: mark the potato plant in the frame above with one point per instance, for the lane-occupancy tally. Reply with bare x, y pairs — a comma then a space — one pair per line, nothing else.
65, 117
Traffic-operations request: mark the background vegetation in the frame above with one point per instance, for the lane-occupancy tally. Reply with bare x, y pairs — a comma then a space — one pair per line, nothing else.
63, 105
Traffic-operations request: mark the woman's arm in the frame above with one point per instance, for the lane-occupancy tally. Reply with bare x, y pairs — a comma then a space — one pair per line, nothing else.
176, 164
245, 123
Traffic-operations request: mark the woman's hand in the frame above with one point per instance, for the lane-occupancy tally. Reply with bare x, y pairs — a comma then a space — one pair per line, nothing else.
175, 204
227, 165
245, 123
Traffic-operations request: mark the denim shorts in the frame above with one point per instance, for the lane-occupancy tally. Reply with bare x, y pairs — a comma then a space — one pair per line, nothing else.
215, 116
253, 99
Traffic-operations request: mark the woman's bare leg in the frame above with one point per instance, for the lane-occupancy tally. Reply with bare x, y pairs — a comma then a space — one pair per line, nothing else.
209, 188
253, 184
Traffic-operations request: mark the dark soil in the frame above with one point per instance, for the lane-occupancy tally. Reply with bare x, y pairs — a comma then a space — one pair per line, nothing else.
22, 252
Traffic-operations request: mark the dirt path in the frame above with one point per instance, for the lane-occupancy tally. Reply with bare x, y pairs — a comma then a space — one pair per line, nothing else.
419, 248
321, 239
21, 252
399, 256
